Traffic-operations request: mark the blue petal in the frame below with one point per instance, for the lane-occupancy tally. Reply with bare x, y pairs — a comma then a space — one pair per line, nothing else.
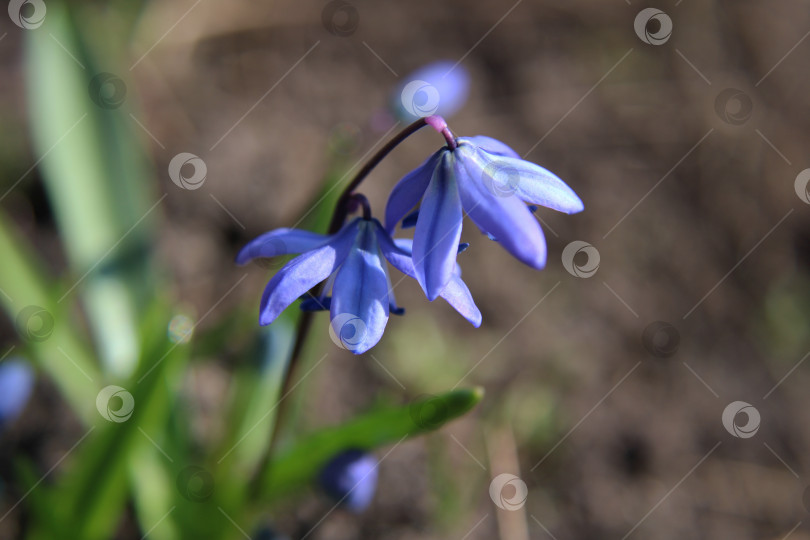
17, 380
493, 146
532, 183
502, 216
458, 295
280, 242
397, 252
410, 220
455, 292
438, 230
304, 272
313, 303
405, 244
359, 310
408, 191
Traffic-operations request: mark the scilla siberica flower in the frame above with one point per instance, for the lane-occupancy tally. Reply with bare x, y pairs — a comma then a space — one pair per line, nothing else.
477, 175
487, 180
350, 477
354, 262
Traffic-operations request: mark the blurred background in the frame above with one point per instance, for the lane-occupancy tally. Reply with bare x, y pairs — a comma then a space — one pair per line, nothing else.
649, 383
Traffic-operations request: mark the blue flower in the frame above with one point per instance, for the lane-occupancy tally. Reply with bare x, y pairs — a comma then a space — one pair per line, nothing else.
351, 478
16, 384
437, 88
353, 264
486, 179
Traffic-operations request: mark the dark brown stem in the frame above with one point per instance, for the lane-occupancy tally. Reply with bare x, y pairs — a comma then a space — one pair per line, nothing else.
341, 209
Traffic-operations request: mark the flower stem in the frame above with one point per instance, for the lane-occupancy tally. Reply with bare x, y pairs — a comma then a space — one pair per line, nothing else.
438, 123
341, 209
358, 200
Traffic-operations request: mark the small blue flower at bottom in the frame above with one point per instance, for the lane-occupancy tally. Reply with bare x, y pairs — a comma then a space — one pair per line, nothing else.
353, 264
486, 179
351, 479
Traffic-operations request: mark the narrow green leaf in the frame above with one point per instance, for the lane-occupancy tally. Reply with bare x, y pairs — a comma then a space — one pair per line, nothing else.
89, 499
95, 172
257, 394
153, 492
45, 326
298, 464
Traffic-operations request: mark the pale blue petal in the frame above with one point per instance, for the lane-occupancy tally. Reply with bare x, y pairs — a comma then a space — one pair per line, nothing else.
502, 216
458, 295
360, 304
493, 146
534, 184
280, 242
405, 244
438, 230
304, 272
408, 191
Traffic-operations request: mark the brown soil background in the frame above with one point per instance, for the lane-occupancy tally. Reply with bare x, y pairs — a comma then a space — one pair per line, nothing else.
709, 237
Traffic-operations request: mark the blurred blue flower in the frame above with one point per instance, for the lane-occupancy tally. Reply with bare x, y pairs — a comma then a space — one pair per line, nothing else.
437, 88
351, 478
353, 263
16, 383
486, 179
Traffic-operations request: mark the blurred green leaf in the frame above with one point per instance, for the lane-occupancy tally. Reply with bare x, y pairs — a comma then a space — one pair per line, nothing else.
89, 500
298, 464
257, 394
53, 344
95, 171
153, 492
